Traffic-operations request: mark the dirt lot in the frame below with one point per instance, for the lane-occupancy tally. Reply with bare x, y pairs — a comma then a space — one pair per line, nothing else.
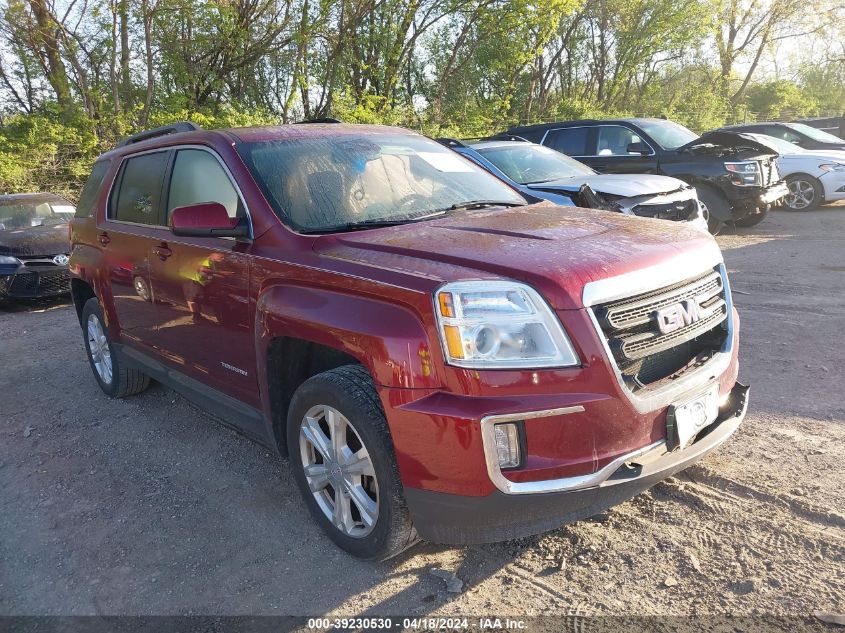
144, 506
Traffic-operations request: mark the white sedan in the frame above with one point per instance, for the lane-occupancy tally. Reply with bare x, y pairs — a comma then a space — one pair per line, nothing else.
813, 176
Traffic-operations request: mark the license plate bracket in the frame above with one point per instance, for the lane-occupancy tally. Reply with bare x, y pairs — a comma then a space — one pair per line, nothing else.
686, 420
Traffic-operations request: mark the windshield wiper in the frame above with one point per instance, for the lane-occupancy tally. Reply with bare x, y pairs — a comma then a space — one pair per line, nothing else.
354, 226
374, 224
479, 204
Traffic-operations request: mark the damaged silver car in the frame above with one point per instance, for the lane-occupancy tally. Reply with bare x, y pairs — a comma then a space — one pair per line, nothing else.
540, 172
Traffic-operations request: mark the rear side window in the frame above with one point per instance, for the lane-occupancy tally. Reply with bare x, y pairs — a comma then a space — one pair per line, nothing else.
572, 141
139, 198
198, 177
88, 197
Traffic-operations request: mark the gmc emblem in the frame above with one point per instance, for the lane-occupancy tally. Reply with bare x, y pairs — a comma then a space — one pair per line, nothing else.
678, 315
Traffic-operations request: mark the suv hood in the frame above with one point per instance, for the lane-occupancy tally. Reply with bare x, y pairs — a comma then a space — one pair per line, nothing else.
731, 140
555, 249
623, 185
36, 241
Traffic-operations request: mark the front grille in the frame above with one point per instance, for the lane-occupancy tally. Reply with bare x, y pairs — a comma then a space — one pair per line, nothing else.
695, 315
54, 283
37, 284
679, 211
24, 284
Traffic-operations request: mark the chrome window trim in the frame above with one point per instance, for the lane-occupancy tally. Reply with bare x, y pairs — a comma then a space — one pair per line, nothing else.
683, 267
156, 227
176, 148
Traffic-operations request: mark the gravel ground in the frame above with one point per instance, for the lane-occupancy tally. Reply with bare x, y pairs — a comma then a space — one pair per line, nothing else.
145, 506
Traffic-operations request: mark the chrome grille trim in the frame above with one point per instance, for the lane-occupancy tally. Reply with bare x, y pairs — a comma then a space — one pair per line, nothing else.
684, 266
645, 344
629, 314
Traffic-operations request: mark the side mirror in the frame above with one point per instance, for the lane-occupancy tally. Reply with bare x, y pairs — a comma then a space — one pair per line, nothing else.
639, 148
206, 219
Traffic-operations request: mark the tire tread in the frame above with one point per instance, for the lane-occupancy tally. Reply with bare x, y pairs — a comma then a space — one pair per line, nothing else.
355, 382
126, 381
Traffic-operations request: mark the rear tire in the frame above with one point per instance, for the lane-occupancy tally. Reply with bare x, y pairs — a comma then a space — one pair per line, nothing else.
115, 380
343, 461
714, 206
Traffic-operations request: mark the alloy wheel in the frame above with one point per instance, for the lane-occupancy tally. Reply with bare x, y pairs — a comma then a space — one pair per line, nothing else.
339, 471
801, 194
98, 346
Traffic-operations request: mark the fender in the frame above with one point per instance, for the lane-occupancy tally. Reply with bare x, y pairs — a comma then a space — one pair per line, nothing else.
388, 339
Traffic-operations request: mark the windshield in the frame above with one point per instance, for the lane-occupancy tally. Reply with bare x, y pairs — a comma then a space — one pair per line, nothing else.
22, 214
668, 134
336, 182
816, 134
530, 164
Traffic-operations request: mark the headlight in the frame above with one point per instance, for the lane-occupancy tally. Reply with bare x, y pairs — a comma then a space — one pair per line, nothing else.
500, 325
747, 173
832, 167
5, 260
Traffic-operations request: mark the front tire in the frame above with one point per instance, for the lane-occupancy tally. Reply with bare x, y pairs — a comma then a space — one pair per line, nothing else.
714, 207
342, 458
805, 193
752, 220
114, 379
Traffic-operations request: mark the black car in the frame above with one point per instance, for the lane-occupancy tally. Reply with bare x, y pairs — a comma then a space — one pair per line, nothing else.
34, 245
735, 174
799, 134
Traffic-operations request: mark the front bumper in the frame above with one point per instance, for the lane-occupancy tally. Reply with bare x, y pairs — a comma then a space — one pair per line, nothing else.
677, 206
34, 282
746, 201
833, 183
459, 519
774, 193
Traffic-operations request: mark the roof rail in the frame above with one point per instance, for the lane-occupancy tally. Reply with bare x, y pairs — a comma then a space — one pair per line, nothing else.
450, 142
325, 119
504, 136
164, 130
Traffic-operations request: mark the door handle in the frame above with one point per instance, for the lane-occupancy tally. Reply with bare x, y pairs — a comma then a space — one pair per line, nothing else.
103, 238
162, 251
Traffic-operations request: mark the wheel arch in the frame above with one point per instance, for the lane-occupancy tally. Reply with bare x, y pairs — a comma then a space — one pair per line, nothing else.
290, 362
301, 332
725, 214
80, 291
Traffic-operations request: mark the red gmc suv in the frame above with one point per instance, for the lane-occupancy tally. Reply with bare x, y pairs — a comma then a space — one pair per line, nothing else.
438, 358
